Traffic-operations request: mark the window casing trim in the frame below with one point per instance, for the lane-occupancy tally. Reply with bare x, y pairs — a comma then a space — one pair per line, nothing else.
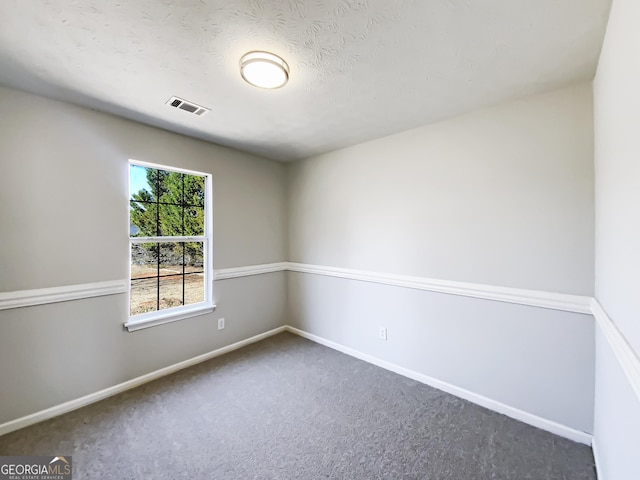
151, 319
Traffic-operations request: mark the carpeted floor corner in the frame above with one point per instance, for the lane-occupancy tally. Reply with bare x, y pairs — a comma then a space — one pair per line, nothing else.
287, 408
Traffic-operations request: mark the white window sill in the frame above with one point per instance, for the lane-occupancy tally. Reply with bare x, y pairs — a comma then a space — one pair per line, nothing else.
160, 318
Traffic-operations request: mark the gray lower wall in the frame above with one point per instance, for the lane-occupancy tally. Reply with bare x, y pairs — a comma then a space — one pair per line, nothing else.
64, 221
498, 350
617, 418
50, 354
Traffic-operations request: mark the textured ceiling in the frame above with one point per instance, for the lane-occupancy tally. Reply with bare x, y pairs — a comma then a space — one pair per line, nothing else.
360, 69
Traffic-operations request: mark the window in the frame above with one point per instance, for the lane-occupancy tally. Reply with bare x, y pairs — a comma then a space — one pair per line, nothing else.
170, 244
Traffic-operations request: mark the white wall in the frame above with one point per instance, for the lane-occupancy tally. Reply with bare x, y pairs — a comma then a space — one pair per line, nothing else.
502, 196
64, 221
617, 163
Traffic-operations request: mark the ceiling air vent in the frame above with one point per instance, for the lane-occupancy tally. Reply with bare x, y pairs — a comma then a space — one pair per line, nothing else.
190, 107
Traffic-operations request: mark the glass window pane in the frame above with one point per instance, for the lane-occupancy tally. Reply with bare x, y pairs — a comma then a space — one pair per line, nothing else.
171, 258
139, 187
144, 296
170, 220
143, 221
170, 187
176, 255
194, 257
194, 190
193, 288
157, 180
144, 260
194, 221
170, 291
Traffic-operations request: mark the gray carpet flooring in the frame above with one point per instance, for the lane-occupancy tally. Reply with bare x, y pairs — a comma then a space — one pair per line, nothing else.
286, 408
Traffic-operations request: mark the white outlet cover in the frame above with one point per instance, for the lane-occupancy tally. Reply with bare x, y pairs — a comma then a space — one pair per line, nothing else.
220, 323
382, 333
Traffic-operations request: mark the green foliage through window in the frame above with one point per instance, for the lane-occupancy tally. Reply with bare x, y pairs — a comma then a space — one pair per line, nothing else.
172, 204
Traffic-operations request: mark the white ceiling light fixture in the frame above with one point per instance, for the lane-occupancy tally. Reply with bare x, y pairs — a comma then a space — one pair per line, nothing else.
264, 70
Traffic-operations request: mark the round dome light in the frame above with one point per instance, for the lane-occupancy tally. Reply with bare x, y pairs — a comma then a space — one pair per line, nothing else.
264, 70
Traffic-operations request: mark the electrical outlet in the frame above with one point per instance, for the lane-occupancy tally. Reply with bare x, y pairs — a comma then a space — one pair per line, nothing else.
382, 333
220, 323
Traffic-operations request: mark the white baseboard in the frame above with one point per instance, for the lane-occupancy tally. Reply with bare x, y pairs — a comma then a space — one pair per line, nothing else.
129, 384
526, 417
596, 458
494, 405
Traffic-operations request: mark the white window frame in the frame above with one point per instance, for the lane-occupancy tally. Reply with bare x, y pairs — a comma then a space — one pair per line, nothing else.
159, 317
